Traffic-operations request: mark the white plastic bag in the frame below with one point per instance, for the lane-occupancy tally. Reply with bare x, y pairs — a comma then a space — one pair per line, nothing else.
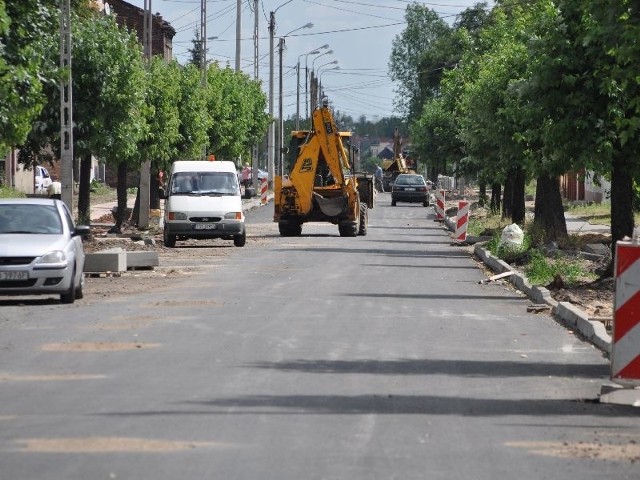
512, 236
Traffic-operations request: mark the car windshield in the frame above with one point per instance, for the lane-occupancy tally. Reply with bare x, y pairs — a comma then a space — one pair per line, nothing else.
30, 219
410, 180
204, 183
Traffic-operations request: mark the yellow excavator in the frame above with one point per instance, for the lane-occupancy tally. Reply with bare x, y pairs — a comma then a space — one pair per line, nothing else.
318, 182
393, 168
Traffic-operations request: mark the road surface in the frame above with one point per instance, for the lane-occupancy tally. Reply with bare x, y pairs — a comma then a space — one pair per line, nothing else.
316, 357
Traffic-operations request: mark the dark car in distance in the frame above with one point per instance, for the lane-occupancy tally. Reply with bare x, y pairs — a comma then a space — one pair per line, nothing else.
411, 188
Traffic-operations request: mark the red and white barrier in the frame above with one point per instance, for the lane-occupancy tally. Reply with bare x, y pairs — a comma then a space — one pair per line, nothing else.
462, 220
263, 190
625, 352
440, 204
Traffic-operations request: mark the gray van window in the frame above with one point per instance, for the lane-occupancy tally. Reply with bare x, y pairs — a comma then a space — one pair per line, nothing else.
205, 182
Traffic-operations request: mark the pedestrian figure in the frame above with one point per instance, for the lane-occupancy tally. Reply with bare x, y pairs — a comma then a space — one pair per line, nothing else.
246, 175
378, 178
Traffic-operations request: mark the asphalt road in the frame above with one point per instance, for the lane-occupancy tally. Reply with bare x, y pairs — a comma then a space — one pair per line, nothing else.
318, 357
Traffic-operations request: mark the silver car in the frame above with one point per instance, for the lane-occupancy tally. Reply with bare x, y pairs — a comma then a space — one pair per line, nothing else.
41, 249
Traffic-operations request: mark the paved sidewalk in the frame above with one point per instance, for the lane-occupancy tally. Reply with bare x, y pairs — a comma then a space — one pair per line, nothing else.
101, 209
577, 225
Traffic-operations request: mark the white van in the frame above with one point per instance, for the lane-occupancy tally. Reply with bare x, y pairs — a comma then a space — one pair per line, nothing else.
203, 201
42, 180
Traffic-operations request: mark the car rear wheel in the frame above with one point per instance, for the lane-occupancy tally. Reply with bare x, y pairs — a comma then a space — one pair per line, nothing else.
169, 240
240, 240
393, 203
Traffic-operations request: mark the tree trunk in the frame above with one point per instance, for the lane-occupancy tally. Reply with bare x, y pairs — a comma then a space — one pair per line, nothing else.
482, 194
507, 198
84, 192
622, 221
496, 194
154, 199
517, 197
548, 211
121, 211
135, 214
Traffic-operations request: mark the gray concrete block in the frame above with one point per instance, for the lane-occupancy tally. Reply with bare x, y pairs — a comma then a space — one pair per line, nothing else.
142, 259
597, 248
107, 261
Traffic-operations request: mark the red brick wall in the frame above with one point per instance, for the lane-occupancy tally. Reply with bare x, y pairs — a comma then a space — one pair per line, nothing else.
133, 17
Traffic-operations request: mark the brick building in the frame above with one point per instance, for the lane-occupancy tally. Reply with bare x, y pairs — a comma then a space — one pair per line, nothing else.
133, 17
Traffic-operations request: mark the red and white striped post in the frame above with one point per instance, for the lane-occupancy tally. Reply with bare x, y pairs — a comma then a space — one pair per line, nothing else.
263, 190
625, 345
440, 205
462, 220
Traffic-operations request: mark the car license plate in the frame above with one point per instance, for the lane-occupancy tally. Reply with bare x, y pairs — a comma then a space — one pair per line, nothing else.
18, 275
205, 226
410, 189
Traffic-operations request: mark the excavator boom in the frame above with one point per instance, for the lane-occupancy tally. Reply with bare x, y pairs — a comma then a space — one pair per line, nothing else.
320, 185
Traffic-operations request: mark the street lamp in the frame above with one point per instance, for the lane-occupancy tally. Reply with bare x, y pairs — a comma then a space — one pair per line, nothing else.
204, 52
321, 55
320, 73
280, 121
315, 51
271, 134
314, 80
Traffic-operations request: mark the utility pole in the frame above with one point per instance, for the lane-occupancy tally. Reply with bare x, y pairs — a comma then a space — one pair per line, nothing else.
66, 105
145, 172
280, 119
203, 57
203, 43
298, 96
271, 137
254, 149
238, 32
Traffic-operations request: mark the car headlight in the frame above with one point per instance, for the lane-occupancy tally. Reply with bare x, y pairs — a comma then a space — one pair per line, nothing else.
57, 256
177, 216
233, 216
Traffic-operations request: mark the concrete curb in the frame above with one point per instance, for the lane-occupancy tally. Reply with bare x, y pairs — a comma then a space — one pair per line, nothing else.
564, 312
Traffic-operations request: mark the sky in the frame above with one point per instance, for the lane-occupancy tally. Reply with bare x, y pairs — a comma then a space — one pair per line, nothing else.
359, 34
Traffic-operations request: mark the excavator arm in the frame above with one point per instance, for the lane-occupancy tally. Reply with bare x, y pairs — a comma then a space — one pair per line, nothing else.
321, 185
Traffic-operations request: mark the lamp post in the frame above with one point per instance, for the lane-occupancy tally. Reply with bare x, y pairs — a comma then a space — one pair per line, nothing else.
271, 134
280, 119
315, 51
306, 83
314, 80
320, 73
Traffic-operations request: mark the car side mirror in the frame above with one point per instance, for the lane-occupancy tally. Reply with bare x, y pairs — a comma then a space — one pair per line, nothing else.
81, 230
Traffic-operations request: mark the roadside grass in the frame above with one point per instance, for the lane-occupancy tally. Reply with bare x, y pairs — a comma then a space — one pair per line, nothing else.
540, 264
596, 214
6, 192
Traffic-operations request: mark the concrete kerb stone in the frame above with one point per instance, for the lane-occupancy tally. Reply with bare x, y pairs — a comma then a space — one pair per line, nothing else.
566, 313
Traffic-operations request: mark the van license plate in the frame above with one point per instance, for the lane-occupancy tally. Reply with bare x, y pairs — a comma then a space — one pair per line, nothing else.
205, 226
20, 275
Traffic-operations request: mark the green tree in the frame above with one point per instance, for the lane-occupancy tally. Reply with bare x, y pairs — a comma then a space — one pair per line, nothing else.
159, 147
236, 105
583, 89
424, 29
26, 29
196, 54
110, 112
194, 116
